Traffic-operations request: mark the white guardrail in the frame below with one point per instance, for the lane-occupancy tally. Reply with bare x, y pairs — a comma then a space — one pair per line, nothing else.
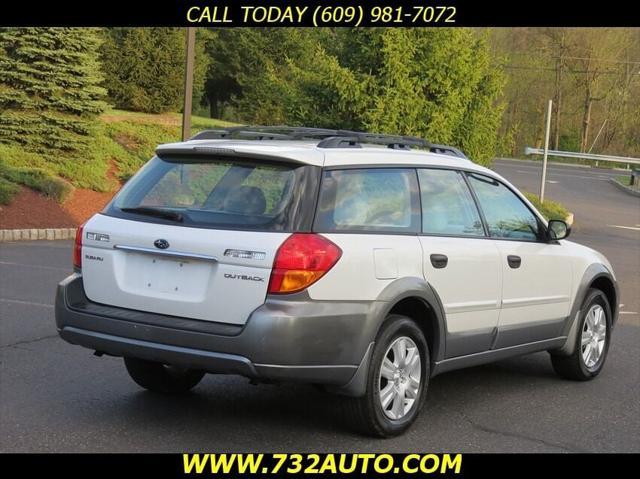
584, 156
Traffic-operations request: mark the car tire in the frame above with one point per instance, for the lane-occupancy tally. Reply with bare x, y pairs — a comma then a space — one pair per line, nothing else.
158, 377
591, 342
368, 414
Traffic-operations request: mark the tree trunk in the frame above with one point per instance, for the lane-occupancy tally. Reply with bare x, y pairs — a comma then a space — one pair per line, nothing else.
586, 119
513, 116
558, 104
214, 108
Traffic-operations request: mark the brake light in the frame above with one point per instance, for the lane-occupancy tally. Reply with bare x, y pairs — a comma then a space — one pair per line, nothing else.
77, 248
301, 261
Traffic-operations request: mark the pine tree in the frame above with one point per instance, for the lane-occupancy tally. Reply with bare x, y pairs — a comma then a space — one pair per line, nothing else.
144, 68
49, 88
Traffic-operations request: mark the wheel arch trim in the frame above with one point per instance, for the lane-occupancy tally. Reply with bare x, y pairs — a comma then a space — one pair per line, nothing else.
392, 295
417, 288
593, 273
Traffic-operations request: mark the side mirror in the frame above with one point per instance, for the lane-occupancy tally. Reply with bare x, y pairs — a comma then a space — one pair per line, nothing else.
558, 230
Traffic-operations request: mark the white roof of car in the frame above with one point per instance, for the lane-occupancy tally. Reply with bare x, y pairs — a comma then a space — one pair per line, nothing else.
308, 152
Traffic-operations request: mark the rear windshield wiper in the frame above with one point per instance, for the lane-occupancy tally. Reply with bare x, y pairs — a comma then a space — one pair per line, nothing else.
160, 213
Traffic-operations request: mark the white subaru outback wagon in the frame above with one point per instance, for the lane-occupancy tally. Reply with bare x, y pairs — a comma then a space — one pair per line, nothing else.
360, 262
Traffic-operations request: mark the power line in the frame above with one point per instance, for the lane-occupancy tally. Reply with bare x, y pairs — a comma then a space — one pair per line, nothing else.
607, 60
519, 67
565, 57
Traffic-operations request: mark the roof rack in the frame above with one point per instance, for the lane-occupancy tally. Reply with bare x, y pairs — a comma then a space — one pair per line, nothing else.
329, 138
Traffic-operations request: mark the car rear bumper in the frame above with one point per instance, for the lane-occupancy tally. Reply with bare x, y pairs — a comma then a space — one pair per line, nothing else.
293, 339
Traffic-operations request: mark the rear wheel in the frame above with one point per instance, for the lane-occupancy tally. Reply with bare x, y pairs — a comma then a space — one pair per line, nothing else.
162, 378
397, 381
592, 340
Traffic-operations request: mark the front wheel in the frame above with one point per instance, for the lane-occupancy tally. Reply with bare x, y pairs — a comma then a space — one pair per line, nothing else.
397, 381
160, 377
592, 340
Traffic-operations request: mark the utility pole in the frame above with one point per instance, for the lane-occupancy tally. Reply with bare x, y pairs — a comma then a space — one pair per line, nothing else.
188, 82
546, 151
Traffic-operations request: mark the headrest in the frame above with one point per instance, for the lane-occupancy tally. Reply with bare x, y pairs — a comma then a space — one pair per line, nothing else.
245, 200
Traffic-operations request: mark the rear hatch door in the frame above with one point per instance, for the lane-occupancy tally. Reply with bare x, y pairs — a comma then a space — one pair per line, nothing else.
196, 237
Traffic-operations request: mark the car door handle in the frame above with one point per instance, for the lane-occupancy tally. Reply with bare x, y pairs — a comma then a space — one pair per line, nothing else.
439, 260
514, 261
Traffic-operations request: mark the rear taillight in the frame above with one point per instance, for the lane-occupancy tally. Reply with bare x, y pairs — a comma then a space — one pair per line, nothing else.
77, 249
301, 261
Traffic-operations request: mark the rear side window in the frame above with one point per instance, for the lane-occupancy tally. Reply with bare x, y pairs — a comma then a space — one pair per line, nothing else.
447, 205
506, 215
227, 193
375, 199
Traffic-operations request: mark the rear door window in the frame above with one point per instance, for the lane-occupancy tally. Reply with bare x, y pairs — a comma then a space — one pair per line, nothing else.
447, 205
372, 199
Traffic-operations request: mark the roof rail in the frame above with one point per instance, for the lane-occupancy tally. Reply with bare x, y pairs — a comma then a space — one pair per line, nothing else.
340, 142
447, 150
329, 138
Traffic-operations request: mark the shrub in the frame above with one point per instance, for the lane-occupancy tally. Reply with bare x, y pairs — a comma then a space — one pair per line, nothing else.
7, 191
551, 210
37, 179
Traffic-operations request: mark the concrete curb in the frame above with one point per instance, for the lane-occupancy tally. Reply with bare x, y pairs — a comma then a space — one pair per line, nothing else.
32, 234
625, 188
569, 219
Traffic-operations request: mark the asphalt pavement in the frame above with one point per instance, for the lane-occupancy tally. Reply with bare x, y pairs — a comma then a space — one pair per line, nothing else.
606, 218
55, 397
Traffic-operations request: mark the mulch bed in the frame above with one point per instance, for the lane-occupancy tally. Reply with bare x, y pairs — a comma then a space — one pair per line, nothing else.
83, 204
30, 209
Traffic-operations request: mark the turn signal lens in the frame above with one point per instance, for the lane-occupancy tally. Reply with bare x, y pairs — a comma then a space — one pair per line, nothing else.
77, 249
301, 261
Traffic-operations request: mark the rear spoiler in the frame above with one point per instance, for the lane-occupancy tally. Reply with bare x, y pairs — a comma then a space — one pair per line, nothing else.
216, 151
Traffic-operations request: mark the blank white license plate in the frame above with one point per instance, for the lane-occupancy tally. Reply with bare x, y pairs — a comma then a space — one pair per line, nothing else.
166, 275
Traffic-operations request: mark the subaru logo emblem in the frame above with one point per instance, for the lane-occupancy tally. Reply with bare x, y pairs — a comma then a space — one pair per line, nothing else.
161, 243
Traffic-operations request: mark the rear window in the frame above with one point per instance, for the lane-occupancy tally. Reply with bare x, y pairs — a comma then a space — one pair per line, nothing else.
226, 193
372, 199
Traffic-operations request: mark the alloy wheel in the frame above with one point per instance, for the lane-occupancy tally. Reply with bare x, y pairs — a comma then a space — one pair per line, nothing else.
594, 336
399, 379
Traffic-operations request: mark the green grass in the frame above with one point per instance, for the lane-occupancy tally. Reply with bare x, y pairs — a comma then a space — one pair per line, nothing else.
551, 210
626, 181
130, 139
175, 119
123, 140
